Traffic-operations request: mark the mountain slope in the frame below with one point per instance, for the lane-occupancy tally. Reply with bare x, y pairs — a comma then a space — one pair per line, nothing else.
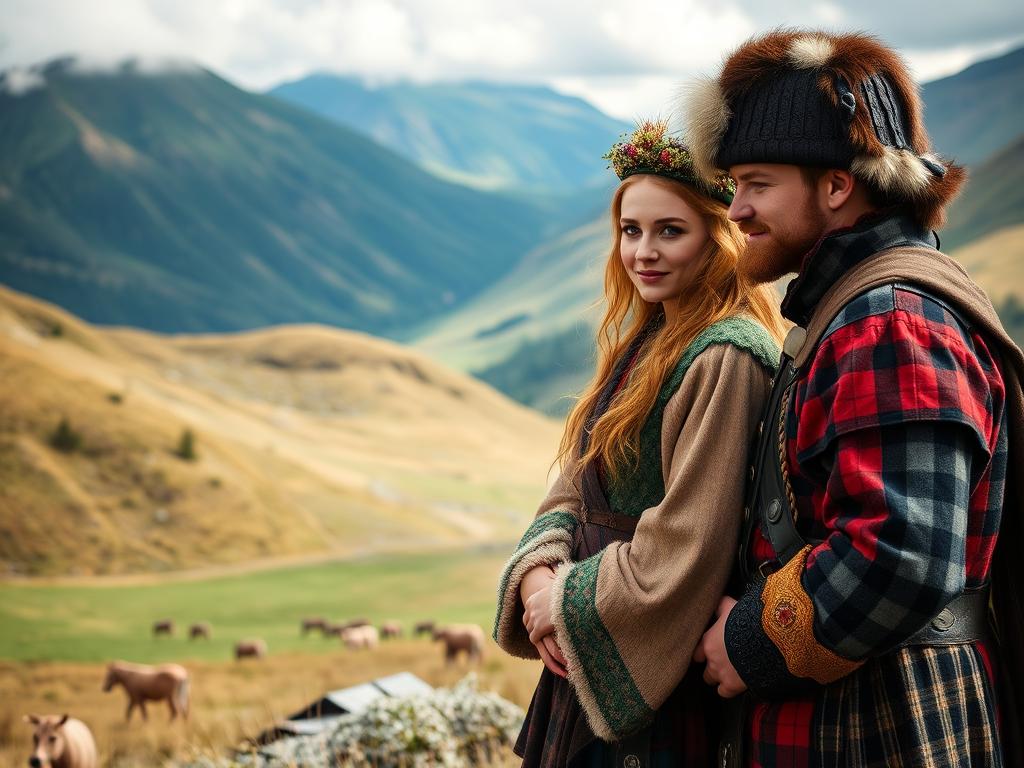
993, 199
178, 202
309, 441
484, 134
977, 112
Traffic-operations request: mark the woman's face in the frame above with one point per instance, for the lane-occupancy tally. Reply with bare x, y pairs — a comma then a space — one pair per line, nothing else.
661, 240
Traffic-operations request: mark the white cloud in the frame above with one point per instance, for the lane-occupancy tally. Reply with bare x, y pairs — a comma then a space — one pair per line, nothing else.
19, 81
627, 58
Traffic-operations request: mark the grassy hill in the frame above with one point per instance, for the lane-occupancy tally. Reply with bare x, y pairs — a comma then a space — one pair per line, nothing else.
485, 134
178, 202
310, 441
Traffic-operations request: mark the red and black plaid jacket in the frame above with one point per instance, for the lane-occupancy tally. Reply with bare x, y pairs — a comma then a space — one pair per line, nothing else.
897, 454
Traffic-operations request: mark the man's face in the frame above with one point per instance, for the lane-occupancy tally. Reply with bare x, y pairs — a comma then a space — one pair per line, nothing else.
780, 214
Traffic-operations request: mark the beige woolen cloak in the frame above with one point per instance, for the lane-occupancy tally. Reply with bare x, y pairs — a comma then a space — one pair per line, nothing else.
628, 619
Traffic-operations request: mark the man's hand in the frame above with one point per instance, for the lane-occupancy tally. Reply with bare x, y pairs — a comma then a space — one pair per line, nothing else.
711, 648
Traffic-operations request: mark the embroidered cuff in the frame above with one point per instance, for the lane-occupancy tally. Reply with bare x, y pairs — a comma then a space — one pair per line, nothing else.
607, 692
770, 636
548, 541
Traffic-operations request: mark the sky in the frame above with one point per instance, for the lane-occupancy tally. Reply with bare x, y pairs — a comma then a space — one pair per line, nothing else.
625, 56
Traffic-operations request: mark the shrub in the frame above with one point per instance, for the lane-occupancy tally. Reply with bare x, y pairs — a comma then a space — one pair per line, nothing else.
64, 438
187, 446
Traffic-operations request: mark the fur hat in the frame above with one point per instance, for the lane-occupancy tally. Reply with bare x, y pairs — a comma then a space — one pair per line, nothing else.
821, 99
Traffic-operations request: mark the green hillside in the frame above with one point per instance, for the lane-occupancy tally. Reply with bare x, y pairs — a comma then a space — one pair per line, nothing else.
484, 134
179, 202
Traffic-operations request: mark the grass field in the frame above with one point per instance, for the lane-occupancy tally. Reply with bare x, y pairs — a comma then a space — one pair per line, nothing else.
96, 622
56, 639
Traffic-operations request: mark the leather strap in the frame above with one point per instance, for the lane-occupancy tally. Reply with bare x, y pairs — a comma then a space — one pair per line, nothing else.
613, 520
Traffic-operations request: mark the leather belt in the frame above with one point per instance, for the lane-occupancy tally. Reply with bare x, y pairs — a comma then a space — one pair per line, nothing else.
963, 620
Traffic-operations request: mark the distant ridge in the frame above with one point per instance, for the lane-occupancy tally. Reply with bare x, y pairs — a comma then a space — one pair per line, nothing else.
485, 134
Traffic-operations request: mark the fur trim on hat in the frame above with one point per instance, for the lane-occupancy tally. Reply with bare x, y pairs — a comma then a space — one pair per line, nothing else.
898, 173
810, 52
707, 116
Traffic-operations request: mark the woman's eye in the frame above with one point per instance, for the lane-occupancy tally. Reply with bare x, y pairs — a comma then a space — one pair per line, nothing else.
671, 231
631, 230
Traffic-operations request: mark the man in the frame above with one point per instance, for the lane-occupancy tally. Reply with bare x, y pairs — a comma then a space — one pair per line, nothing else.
880, 483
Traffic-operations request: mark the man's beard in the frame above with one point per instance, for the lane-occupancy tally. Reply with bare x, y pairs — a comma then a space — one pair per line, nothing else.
782, 248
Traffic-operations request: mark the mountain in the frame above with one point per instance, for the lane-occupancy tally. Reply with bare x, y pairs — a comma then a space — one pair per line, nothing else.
308, 441
178, 202
483, 134
992, 200
979, 111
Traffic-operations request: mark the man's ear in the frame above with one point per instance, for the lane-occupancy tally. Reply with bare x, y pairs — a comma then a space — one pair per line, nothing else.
837, 185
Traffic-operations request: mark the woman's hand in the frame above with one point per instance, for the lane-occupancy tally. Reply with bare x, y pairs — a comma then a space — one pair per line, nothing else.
536, 581
536, 578
551, 654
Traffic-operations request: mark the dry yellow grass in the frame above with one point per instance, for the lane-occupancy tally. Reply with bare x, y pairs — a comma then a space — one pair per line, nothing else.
996, 262
230, 701
311, 441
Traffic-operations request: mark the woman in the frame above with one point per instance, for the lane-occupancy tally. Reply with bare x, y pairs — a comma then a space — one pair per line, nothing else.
617, 578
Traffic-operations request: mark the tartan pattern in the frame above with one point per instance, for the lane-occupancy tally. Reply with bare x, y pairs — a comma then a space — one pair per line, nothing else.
843, 249
897, 454
919, 706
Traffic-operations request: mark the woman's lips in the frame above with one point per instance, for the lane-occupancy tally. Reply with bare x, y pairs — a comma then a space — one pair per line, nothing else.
650, 276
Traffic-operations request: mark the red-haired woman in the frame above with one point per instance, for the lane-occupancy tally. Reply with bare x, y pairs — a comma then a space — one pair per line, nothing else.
620, 572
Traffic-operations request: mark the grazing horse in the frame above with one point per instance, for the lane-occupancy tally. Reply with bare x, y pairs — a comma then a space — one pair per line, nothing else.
390, 629
333, 630
360, 637
254, 649
60, 741
313, 623
143, 683
199, 629
163, 627
423, 628
461, 638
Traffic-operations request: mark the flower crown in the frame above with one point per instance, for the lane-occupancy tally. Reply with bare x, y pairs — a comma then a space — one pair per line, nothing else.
650, 150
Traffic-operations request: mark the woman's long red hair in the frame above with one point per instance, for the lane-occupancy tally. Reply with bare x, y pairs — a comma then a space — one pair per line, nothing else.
717, 291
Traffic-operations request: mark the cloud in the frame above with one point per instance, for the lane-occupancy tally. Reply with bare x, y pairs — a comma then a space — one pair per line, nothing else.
19, 81
616, 53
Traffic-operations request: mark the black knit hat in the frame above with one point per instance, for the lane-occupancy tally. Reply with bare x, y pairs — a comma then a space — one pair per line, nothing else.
814, 98
786, 120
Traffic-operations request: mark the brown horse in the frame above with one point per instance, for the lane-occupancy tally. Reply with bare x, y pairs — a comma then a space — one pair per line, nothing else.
199, 629
390, 629
313, 623
423, 628
163, 627
254, 649
461, 638
60, 741
143, 683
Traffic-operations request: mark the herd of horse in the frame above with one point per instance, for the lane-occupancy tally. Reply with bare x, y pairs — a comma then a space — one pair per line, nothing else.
60, 741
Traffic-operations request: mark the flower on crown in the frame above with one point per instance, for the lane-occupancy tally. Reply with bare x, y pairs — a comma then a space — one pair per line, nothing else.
649, 149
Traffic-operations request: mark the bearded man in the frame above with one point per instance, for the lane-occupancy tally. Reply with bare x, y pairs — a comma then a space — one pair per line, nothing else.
884, 507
